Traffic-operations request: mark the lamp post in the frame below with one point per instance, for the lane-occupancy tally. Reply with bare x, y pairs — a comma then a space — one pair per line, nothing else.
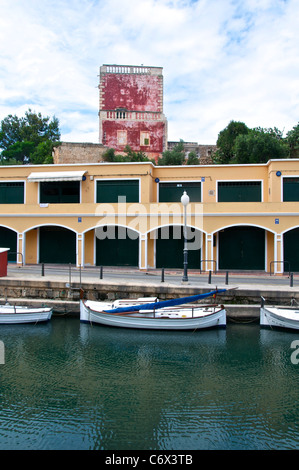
185, 201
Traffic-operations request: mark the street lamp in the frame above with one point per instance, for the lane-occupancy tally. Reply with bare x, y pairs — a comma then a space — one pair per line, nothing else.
185, 201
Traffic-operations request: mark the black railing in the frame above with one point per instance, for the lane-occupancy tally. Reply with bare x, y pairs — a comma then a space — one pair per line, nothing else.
208, 261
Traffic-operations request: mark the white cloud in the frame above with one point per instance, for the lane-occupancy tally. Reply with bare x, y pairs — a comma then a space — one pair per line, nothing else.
222, 60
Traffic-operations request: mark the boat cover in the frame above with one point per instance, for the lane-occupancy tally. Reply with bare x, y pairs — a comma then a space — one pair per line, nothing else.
165, 303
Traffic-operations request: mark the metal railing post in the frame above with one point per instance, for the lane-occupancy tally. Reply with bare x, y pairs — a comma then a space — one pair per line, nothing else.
291, 280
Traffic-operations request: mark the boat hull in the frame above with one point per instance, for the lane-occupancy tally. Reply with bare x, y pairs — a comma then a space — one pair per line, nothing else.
162, 319
10, 315
279, 317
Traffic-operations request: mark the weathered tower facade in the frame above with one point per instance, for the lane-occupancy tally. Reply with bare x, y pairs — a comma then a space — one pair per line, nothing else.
131, 109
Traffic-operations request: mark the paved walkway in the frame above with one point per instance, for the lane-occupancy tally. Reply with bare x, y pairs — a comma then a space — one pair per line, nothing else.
71, 274
248, 285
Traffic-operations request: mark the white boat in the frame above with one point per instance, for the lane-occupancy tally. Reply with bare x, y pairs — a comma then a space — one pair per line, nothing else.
14, 314
279, 317
150, 313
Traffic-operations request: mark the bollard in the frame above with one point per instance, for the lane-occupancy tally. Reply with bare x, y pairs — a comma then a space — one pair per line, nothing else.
226, 278
101, 272
70, 274
210, 277
43, 269
291, 280
162, 275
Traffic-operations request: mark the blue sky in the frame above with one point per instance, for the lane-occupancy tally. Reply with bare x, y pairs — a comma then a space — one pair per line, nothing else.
222, 60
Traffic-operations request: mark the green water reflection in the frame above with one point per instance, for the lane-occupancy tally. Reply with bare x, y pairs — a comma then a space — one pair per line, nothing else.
67, 385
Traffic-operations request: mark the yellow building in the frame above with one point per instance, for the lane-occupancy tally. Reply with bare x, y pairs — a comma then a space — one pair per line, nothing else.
240, 217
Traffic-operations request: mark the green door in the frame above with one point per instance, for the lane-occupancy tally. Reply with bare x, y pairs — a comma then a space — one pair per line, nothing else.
291, 250
239, 191
8, 239
290, 189
119, 248
172, 192
57, 245
170, 249
110, 190
12, 193
242, 248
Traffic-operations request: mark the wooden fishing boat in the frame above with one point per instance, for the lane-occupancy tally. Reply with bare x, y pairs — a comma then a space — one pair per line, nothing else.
14, 314
279, 317
150, 313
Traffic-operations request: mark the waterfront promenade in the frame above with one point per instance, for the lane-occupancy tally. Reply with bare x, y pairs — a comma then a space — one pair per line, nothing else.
60, 286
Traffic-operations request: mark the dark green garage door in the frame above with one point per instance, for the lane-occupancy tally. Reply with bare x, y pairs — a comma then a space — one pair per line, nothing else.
119, 247
110, 190
57, 245
8, 239
242, 248
291, 250
172, 192
170, 249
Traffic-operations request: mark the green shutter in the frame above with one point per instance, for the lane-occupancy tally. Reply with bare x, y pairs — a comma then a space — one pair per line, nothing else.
111, 190
8, 239
170, 249
57, 245
118, 248
172, 192
291, 252
290, 189
12, 193
239, 191
242, 248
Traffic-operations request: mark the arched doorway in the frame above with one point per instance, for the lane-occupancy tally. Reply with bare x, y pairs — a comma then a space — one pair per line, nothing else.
241, 248
57, 245
170, 246
116, 246
291, 250
8, 239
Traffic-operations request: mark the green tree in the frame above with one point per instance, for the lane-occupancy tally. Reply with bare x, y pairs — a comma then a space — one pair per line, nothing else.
176, 156
29, 139
192, 158
293, 142
226, 141
18, 152
135, 156
109, 155
42, 153
130, 156
259, 146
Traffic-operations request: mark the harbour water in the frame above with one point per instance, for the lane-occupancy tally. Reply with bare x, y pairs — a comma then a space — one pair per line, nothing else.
71, 386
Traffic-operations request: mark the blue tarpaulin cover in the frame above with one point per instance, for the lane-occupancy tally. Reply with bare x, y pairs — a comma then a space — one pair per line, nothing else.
165, 303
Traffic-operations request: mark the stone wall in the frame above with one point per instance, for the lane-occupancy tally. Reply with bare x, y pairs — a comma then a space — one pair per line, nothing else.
69, 152
204, 152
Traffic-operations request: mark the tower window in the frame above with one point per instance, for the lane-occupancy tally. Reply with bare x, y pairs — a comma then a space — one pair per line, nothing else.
144, 138
122, 137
